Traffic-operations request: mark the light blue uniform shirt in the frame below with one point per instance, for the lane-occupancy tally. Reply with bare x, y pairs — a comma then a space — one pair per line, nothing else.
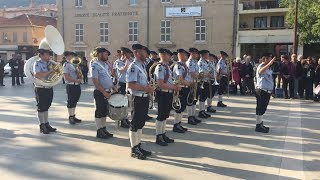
179, 70
222, 65
102, 72
264, 80
161, 72
192, 66
69, 68
212, 68
41, 66
137, 73
203, 67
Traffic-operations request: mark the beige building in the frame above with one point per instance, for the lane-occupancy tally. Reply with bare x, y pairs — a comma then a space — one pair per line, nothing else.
22, 34
262, 28
204, 24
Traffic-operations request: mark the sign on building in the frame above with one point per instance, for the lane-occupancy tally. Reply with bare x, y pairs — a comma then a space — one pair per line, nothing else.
183, 11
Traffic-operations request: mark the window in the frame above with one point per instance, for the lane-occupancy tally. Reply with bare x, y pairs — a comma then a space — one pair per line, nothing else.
133, 31
200, 30
103, 2
14, 37
165, 31
133, 2
25, 36
260, 22
277, 21
104, 32
79, 33
78, 3
165, 1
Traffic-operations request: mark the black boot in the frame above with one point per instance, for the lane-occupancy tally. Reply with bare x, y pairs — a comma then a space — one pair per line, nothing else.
191, 120
124, 123
101, 134
208, 115
261, 128
211, 110
71, 120
43, 129
167, 139
149, 118
197, 120
76, 120
49, 128
177, 128
160, 140
220, 104
136, 153
185, 129
106, 132
203, 115
145, 152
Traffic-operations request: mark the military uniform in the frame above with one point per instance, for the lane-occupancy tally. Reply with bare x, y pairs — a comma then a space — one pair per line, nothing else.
180, 70
137, 74
44, 96
191, 108
164, 99
101, 71
120, 64
73, 88
264, 88
222, 68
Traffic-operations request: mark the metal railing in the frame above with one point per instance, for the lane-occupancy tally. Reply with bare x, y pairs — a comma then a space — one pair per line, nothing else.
250, 5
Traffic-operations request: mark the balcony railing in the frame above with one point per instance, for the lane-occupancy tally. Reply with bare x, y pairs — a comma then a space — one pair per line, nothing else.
249, 5
262, 28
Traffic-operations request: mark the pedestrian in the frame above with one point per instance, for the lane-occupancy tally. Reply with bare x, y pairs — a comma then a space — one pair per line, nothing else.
237, 70
248, 75
84, 70
307, 78
317, 80
2, 64
298, 75
287, 74
264, 89
14, 64
21, 68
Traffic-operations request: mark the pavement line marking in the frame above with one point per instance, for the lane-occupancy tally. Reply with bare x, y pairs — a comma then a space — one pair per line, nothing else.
292, 163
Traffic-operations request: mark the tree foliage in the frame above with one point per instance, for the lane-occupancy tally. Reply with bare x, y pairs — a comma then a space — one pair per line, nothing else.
308, 19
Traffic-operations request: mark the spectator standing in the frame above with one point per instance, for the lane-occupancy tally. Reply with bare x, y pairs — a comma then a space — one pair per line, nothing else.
2, 64
247, 75
85, 70
287, 75
14, 64
21, 67
317, 80
307, 78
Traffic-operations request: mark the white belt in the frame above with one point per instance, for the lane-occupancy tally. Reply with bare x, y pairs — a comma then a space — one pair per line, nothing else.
141, 95
166, 90
37, 86
73, 83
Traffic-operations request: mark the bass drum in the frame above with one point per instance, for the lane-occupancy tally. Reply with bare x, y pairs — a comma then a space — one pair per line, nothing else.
118, 107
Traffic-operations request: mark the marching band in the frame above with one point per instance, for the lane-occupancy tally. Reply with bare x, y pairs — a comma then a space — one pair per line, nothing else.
196, 76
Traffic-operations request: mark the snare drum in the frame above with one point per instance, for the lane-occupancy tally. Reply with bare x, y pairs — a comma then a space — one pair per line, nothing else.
118, 107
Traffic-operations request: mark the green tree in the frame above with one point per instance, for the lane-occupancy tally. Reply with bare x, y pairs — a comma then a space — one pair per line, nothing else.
308, 19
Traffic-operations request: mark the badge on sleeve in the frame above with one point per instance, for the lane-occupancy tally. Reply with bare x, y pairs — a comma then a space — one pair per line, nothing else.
132, 69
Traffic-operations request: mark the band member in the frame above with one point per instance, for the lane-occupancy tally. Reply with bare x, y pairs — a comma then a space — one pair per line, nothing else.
73, 82
163, 76
204, 84
137, 81
44, 95
121, 66
213, 81
194, 71
181, 74
102, 80
222, 70
264, 89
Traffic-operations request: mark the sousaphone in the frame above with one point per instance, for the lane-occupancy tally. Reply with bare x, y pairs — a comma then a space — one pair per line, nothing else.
53, 41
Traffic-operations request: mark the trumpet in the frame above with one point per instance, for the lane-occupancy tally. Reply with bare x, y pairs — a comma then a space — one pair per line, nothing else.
76, 61
176, 104
193, 92
55, 75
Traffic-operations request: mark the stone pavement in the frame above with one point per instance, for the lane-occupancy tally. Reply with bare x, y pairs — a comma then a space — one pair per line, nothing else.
222, 147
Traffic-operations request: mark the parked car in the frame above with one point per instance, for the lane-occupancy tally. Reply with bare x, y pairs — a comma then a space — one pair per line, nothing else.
7, 69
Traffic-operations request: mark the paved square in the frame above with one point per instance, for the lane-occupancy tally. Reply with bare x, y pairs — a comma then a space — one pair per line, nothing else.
222, 147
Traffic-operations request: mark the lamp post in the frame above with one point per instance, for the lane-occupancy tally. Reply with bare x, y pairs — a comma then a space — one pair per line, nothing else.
295, 41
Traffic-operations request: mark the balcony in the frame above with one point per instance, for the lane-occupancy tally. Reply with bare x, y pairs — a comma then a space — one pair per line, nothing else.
255, 7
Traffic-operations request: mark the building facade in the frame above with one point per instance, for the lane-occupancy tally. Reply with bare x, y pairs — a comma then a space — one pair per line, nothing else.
22, 34
262, 28
204, 24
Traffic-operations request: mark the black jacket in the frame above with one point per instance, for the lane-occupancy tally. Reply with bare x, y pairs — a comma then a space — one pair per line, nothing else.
247, 70
299, 70
317, 75
2, 64
308, 71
